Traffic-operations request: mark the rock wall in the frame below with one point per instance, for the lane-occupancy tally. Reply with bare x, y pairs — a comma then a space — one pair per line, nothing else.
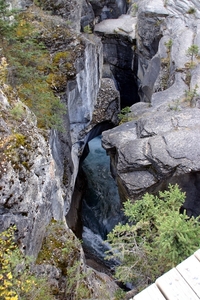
81, 99
39, 168
86, 96
118, 38
20, 4
160, 144
91, 100
104, 117
31, 190
163, 77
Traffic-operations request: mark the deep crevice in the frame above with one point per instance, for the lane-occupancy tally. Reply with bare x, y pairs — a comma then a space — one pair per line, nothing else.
120, 57
122, 65
73, 217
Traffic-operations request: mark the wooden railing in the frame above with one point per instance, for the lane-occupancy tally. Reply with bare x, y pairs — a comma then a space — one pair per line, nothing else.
180, 283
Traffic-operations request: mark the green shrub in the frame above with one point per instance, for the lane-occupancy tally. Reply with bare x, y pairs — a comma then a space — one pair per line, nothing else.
191, 94
87, 29
156, 238
125, 115
193, 51
18, 111
134, 9
28, 58
191, 10
120, 294
27, 70
169, 44
3, 71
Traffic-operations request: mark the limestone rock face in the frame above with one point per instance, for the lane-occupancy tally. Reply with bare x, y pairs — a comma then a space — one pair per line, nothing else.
104, 116
87, 15
91, 101
84, 95
158, 148
31, 192
82, 92
166, 31
160, 145
118, 38
107, 105
37, 176
81, 99
61, 260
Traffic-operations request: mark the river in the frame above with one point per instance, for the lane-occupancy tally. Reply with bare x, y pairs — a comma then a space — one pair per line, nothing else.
101, 206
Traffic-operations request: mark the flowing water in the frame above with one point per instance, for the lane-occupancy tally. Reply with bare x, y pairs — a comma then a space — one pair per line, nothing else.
101, 208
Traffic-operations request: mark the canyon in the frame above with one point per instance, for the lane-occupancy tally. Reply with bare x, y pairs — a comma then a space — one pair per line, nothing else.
136, 55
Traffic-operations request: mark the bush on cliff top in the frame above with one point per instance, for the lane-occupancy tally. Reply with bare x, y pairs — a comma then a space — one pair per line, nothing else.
29, 64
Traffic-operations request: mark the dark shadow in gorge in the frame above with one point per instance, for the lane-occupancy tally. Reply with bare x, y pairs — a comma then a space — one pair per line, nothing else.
73, 217
121, 65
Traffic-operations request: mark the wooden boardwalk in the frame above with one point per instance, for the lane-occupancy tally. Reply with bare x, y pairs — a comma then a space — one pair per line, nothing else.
180, 283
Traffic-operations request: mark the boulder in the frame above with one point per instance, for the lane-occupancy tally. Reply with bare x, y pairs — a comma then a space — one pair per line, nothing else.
159, 148
124, 25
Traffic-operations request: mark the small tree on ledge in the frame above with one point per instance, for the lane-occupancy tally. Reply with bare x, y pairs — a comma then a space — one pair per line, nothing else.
193, 51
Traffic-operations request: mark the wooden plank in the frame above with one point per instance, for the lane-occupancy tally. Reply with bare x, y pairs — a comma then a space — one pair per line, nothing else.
174, 287
197, 254
150, 293
190, 271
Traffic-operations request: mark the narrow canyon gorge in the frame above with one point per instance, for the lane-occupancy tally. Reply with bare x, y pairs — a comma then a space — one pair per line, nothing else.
121, 54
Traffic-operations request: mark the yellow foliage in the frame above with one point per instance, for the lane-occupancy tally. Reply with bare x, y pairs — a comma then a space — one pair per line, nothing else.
59, 56
12, 297
24, 28
56, 80
9, 275
3, 70
7, 283
21, 284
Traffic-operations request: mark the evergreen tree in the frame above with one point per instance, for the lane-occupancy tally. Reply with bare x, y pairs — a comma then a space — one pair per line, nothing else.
193, 51
7, 24
156, 238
